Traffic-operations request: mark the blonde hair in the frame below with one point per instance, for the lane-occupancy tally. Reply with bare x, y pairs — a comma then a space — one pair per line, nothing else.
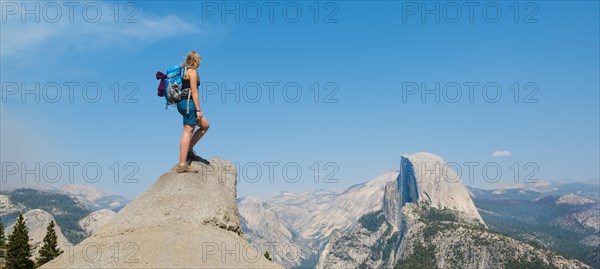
192, 59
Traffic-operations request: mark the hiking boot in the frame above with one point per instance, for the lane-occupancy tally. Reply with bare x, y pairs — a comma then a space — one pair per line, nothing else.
183, 168
193, 157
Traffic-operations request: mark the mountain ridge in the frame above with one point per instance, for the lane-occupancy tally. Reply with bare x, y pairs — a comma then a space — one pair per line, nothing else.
376, 228
92, 197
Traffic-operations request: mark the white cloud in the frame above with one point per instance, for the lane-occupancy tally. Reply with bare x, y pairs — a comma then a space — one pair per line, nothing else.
20, 39
502, 153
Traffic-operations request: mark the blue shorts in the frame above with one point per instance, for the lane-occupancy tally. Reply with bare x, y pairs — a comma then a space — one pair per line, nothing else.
182, 108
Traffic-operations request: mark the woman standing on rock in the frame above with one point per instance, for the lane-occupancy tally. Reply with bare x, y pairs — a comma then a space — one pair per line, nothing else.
194, 117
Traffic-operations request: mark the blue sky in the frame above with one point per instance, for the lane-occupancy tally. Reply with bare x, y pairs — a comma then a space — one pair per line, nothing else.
359, 56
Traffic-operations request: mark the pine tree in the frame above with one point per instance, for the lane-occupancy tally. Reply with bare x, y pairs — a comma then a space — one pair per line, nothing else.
268, 256
18, 250
50, 248
2, 243
2, 236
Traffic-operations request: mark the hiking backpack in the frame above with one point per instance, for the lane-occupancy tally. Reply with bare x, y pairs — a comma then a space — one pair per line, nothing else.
173, 86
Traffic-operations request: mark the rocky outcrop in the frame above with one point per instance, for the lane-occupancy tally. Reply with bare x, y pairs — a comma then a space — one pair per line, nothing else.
37, 221
573, 199
584, 220
7, 207
426, 179
392, 204
371, 244
187, 220
92, 222
591, 241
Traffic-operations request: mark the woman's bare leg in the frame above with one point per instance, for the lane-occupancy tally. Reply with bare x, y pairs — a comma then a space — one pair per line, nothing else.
184, 144
204, 125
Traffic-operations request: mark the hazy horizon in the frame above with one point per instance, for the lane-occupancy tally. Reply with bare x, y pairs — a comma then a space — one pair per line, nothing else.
488, 186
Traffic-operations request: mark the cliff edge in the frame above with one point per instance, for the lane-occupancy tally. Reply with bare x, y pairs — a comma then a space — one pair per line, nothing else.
187, 220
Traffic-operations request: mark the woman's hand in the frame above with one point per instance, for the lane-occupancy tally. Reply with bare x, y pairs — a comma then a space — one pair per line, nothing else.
198, 114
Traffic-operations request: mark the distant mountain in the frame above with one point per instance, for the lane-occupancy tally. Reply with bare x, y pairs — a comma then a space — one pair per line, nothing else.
66, 209
406, 217
71, 205
538, 186
561, 216
266, 232
411, 217
543, 188
429, 221
310, 217
90, 196
94, 198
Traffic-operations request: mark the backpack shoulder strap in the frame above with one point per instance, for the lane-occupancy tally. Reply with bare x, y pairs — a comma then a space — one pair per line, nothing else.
185, 68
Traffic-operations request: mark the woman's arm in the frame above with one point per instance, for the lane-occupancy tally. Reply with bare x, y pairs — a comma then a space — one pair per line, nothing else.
194, 87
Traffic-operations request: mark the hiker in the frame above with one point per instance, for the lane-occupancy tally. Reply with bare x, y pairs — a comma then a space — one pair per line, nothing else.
192, 115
